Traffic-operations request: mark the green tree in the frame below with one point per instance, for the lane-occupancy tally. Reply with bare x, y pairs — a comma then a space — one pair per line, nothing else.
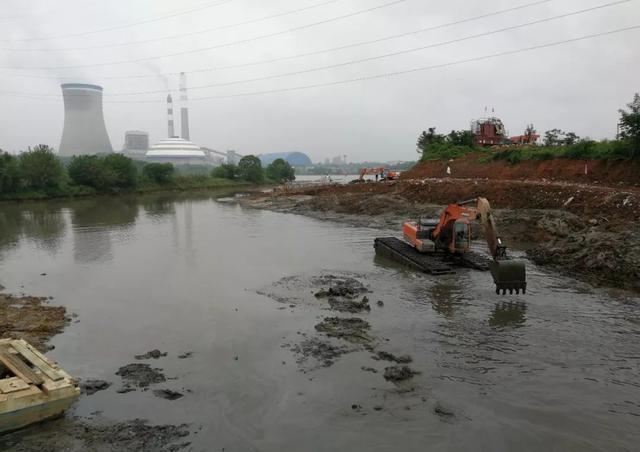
225, 171
630, 125
40, 168
250, 169
428, 138
461, 138
125, 171
9, 173
160, 173
552, 137
570, 138
280, 171
91, 170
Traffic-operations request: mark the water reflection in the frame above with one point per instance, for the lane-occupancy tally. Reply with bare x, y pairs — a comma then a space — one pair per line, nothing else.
508, 314
158, 207
41, 223
95, 221
445, 298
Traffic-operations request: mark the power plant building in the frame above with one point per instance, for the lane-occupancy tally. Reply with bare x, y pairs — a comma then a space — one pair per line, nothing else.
84, 130
136, 143
177, 151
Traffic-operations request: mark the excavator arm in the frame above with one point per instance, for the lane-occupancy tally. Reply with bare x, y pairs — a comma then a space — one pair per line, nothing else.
507, 274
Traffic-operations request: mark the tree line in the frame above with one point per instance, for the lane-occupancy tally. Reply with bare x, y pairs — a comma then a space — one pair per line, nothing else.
555, 142
39, 172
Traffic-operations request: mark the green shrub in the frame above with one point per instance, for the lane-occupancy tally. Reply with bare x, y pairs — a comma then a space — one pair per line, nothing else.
9, 173
40, 169
159, 173
280, 171
225, 171
125, 171
91, 171
250, 169
441, 151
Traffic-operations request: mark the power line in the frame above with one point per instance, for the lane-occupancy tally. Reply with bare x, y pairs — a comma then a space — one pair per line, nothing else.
218, 46
317, 52
121, 27
371, 77
419, 69
387, 55
181, 35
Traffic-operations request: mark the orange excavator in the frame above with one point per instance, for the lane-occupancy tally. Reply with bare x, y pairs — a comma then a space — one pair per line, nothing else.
452, 234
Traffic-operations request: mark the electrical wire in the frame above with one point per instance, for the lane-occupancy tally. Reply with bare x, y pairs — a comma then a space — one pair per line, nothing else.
313, 53
181, 35
205, 49
387, 55
124, 26
367, 77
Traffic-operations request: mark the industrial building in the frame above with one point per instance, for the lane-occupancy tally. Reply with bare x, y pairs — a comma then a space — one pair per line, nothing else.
84, 131
136, 144
177, 151
174, 149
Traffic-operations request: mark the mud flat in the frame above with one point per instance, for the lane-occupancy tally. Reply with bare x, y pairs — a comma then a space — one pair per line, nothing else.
585, 231
31, 319
36, 321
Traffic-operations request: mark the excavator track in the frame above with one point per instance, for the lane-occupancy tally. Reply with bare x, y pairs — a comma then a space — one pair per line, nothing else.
396, 249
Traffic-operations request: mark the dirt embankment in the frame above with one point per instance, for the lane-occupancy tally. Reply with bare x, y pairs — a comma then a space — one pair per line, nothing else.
589, 231
603, 172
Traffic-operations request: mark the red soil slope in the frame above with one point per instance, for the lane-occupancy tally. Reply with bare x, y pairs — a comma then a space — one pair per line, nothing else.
611, 173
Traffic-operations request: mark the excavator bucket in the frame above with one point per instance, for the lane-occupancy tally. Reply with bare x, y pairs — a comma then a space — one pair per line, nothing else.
509, 276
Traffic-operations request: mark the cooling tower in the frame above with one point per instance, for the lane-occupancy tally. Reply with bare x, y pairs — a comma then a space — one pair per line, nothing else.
84, 130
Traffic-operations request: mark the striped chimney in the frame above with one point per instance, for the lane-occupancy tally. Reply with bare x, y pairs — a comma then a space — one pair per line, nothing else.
172, 132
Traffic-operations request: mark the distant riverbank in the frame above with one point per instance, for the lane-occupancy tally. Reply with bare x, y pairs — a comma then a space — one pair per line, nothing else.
180, 184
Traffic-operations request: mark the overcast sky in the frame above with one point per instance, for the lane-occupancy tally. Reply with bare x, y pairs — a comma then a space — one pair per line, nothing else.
578, 86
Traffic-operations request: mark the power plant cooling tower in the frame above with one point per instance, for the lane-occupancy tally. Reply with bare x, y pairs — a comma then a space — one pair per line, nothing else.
84, 130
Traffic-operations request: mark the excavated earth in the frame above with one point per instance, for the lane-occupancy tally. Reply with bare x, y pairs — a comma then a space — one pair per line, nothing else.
586, 230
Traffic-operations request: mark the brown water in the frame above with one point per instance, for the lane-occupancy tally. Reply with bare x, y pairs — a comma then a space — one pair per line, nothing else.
556, 369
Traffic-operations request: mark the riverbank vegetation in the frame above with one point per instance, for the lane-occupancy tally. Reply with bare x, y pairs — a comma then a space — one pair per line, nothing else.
39, 173
555, 143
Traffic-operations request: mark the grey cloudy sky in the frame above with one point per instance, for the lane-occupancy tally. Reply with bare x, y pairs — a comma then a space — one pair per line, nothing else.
578, 86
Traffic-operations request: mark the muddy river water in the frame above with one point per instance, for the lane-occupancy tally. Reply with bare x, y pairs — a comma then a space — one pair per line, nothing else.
555, 369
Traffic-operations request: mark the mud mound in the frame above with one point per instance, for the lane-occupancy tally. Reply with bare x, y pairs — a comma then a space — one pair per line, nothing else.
138, 375
596, 254
397, 374
322, 351
31, 319
351, 329
81, 436
475, 166
153, 354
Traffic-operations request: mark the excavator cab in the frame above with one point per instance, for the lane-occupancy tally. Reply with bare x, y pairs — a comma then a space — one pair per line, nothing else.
461, 240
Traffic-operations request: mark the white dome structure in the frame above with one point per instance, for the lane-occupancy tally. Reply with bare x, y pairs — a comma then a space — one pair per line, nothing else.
177, 151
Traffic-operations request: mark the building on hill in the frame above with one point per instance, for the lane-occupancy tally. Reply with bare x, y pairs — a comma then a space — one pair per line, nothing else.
293, 158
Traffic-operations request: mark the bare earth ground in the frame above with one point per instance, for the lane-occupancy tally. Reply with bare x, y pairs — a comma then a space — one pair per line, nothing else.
588, 231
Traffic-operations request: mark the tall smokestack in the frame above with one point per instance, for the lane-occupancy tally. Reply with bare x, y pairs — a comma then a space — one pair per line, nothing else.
184, 110
172, 131
84, 130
